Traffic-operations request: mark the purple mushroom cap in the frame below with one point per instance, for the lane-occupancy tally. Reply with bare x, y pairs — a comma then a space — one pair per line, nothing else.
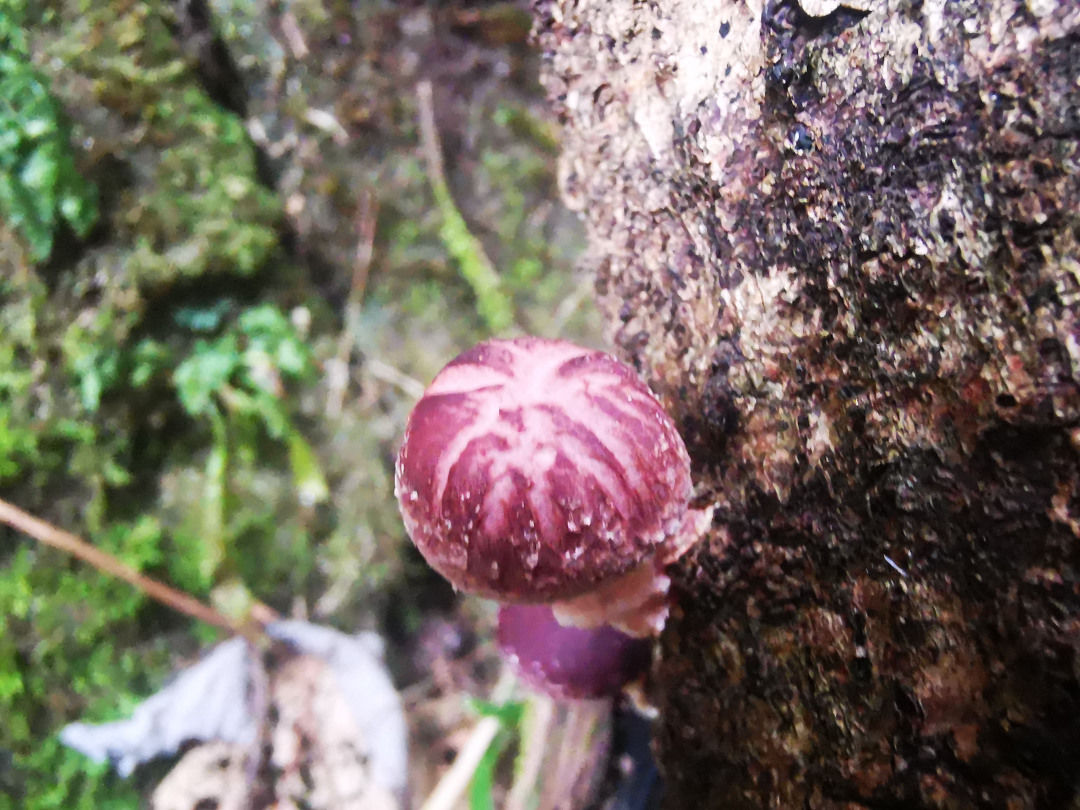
569, 662
533, 470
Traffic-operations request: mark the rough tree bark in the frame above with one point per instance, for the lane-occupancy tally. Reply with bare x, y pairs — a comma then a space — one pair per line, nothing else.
843, 243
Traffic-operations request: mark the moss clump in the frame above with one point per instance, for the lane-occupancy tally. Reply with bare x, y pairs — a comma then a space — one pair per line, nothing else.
203, 209
91, 420
182, 191
41, 190
172, 389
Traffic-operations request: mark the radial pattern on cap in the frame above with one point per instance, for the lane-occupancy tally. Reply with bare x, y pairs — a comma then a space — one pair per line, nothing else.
532, 469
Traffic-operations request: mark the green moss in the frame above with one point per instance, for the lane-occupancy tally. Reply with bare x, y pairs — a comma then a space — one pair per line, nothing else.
18, 436
492, 302
227, 504
85, 395
194, 203
40, 187
204, 210
67, 642
161, 391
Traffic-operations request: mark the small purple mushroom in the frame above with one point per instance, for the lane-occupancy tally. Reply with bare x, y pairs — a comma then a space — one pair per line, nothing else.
569, 662
535, 470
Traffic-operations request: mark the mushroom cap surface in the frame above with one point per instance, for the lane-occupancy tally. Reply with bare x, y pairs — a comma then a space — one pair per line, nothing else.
533, 469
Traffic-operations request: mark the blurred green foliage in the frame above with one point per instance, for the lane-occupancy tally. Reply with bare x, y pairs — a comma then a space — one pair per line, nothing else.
492, 303
510, 716
92, 407
204, 210
40, 188
236, 382
86, 645
182, 389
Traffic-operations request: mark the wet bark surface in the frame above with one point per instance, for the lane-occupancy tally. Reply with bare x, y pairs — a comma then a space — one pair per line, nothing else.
845, 249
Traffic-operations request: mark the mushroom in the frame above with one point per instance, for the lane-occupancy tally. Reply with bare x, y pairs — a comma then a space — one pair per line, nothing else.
535, 470
569, 662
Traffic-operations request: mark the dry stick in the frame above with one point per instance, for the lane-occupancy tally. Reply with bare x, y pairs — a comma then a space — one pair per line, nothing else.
107, 563
384, 372
570, 304
429, 135
366, 221
465, 248
455, 781
534, 744
577, 757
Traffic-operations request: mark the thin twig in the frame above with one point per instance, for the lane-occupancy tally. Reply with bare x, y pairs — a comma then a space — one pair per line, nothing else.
103, 561
492, 302
294, 36
570, 304
583, 748
534, 743
384, 372
429, 135
259, 749
366, 220
456, 780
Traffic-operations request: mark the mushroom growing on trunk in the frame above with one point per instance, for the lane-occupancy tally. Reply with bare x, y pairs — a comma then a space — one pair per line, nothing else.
535, 470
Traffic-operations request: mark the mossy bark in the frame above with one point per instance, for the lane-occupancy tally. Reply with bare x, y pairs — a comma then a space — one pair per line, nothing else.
846, 251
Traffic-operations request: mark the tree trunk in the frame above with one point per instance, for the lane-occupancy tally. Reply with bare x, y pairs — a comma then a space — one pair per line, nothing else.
843, 243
